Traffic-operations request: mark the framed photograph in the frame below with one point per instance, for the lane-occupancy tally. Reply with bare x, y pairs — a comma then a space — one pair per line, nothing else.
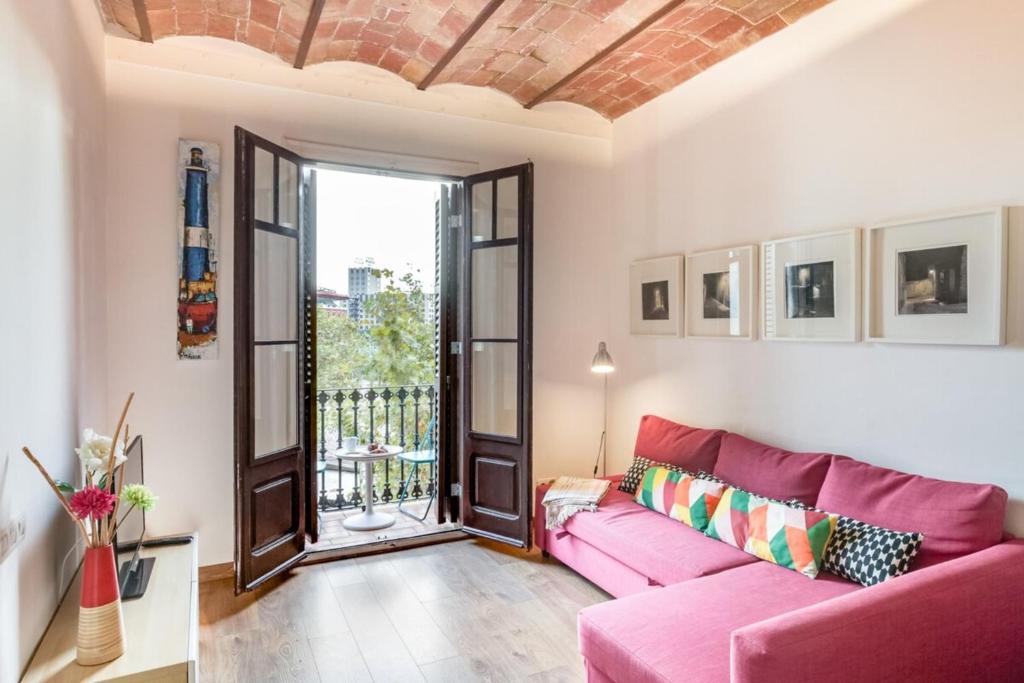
810, 287
721, 293
938, 279
656, 296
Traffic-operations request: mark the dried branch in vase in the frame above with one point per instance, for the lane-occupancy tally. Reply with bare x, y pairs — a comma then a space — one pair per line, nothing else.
94, 507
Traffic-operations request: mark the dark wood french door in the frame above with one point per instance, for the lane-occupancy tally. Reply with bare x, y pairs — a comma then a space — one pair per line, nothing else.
484, 269
274, 300
496, 368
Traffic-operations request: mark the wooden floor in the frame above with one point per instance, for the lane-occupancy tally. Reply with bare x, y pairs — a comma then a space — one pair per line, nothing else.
333, 535
463, 611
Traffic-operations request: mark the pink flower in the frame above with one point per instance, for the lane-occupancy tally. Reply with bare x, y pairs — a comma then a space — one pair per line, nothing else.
92, 501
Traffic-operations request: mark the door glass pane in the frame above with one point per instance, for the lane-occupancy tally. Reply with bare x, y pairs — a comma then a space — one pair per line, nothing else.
483, 203
275, 407
275, 282
495, 292
287, 194
495, 388
263, 185
508, 207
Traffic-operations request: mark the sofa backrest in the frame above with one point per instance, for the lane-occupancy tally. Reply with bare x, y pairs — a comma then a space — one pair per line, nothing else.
956, 518
770, 471
669, 442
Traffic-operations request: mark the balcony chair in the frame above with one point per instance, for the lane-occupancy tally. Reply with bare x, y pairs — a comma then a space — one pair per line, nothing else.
426, 455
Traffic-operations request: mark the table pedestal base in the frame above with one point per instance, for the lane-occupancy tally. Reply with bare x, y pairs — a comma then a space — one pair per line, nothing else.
369, 521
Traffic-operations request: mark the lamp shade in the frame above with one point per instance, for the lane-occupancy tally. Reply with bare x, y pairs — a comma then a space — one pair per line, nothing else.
602, 362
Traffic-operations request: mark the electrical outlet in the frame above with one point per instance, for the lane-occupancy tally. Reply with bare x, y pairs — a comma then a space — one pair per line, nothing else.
10, 536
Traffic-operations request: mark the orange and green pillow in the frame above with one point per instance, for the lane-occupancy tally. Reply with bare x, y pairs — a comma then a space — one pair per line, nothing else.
772, 530
680, 495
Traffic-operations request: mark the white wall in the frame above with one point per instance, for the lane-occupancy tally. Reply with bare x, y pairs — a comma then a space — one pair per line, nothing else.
185, 408
865, 110
51, 376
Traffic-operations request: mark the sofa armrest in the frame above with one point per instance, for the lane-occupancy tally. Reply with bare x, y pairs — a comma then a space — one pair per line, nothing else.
955, 621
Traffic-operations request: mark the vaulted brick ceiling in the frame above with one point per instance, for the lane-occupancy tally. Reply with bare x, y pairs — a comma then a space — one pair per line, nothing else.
609, 55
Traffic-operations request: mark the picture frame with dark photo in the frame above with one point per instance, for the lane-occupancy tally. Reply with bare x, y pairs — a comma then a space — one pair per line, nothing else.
932, 281
811, 290
810, 287
656, 296
938, 279
717, 296
721, 293
654, 300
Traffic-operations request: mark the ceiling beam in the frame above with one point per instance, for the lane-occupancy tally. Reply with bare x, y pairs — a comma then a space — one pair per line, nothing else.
145, 32
307, 35
460, 42
619, 42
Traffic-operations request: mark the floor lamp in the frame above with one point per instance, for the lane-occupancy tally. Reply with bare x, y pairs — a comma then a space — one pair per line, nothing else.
603, 365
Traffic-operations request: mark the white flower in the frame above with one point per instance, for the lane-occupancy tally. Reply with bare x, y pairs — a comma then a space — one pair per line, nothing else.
95, 452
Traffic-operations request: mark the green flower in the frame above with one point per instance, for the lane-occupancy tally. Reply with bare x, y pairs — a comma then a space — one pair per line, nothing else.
138, 496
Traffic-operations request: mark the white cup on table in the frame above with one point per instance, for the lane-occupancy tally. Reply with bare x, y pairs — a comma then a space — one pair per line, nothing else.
349, 443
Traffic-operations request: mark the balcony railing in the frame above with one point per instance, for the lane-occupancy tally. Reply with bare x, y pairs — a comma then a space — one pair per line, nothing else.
398, 415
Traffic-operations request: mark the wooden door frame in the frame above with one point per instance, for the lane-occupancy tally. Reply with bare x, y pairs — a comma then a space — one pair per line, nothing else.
447, 469
448, 441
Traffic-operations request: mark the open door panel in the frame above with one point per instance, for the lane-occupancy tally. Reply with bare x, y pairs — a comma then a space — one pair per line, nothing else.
273, 363
496, 364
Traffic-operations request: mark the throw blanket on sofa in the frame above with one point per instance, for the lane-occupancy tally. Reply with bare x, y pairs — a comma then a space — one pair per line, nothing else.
569, 495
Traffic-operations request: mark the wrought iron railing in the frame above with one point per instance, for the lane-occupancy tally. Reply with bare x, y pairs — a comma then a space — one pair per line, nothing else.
399, 415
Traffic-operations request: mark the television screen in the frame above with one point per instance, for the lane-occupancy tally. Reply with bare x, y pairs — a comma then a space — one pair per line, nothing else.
133, 575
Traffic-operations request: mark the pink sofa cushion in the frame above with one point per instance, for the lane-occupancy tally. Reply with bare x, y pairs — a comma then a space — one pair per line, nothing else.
669, 442
657, 546
770, 471
956, 519
642, 638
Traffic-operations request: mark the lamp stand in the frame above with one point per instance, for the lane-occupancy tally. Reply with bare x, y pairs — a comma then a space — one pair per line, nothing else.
602, 448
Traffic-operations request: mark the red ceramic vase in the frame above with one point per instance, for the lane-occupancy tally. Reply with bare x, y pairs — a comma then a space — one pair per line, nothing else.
100, 624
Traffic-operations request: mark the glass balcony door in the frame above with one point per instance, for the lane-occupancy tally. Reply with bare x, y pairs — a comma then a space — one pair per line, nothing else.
273, 247
497, 319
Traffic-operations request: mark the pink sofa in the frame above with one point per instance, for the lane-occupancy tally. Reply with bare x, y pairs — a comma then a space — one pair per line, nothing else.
693, 609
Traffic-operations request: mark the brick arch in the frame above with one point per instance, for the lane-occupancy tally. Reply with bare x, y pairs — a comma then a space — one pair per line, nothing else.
688, 40
274, 26
608, 55
406, 37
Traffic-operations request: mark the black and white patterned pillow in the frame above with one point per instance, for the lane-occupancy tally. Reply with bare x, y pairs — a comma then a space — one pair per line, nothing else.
707, 476
638, 468
866, 553
869, 554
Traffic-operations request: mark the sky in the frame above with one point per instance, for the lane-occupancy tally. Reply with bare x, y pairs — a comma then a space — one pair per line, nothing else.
360, 215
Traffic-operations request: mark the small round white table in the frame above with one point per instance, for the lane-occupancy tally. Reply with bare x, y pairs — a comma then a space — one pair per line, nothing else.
368, 520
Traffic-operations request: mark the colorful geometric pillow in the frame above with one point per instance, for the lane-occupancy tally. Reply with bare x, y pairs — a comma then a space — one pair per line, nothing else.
680, 495
772, 530
631, 480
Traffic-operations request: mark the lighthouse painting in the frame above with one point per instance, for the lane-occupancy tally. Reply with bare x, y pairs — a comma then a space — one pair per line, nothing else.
198, 218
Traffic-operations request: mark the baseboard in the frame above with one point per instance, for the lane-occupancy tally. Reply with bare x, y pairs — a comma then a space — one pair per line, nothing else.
216, 572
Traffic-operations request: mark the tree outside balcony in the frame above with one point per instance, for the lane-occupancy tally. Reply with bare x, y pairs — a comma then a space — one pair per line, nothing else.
393, 347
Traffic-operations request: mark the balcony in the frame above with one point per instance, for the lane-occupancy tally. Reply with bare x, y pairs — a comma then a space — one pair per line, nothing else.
396, 415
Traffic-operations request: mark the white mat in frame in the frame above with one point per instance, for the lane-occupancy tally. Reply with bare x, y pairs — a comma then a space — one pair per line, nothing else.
811, 287
656, 296
721, 293
938, 279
